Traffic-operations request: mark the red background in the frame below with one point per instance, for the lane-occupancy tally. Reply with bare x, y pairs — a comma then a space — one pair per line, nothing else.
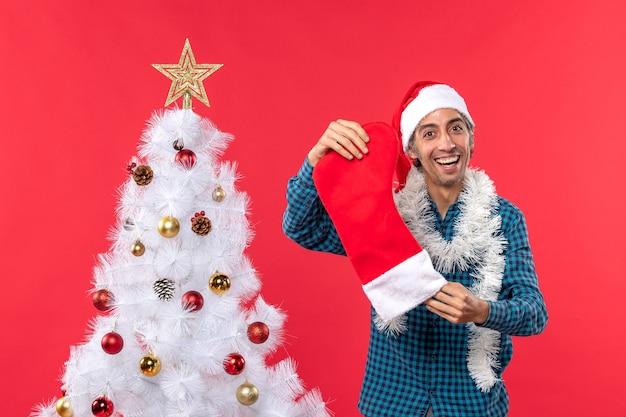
544, 81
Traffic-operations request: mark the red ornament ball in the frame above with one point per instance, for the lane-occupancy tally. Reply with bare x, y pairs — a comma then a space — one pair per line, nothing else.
192, 300
258, 332
102, 300
234, 364
102, 407
186, 158
112, 343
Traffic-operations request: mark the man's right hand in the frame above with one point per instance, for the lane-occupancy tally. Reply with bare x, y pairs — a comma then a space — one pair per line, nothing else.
345, 137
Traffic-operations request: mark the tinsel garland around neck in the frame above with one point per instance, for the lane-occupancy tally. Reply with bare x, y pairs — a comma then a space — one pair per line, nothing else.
477, 242
475, 228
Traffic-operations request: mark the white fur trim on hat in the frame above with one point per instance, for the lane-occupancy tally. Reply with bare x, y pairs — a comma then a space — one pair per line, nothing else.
429, 99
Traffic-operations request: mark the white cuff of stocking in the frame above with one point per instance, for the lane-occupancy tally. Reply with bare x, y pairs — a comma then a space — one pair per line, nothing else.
404, 287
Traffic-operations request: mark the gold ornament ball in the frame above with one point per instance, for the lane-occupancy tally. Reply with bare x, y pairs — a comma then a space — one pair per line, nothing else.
138, 248
64, 408
219, 283
219, 194
150, 365
247, 393
169, 226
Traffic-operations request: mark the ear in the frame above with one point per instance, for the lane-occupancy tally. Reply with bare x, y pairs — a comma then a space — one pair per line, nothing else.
411, 154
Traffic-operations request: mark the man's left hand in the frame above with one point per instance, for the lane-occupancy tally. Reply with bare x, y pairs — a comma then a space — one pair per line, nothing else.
458, 305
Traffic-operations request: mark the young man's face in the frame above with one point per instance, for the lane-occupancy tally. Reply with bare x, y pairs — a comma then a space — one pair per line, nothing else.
442, 145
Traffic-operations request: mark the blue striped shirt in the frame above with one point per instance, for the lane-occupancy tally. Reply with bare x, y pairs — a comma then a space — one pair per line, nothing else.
426, 366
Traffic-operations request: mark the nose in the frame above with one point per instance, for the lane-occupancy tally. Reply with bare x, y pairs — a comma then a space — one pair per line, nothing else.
446, 143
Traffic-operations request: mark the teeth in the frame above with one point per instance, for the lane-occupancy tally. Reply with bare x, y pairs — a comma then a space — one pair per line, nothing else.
447, 161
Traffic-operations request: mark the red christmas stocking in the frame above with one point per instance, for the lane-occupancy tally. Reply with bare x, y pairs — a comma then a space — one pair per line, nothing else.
396, 274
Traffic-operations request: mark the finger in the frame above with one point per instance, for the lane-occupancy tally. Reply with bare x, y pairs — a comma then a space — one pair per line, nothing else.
341, 144
446, 312
453, 288
444, 303
438, 307
453, 293
349, 146
441, 312
444, 297
356, 127
346, 152
352, 132
450, 304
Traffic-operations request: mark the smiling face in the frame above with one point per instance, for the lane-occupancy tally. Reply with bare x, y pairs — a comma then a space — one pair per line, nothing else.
443, 144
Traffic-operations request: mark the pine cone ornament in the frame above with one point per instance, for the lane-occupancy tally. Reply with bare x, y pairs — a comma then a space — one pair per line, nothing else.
143, 175
164, 289
200, 224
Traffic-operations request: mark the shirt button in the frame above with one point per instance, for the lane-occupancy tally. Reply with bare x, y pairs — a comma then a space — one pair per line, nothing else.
431, 392
435, 322
433, 357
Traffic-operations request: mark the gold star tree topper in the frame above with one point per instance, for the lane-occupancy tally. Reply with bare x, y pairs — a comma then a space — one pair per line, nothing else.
187, 77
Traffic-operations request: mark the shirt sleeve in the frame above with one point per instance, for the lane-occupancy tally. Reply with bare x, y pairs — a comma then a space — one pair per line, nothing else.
520, 309
305, 220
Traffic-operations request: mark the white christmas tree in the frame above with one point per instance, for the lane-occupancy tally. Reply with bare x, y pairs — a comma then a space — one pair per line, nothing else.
182, 329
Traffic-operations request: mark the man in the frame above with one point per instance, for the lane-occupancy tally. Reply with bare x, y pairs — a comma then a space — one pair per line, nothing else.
445, 354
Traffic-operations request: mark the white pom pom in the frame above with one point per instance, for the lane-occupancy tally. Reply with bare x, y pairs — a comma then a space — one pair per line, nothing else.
173, 261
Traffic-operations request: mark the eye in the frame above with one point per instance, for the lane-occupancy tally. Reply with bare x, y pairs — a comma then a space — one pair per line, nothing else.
429, 134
